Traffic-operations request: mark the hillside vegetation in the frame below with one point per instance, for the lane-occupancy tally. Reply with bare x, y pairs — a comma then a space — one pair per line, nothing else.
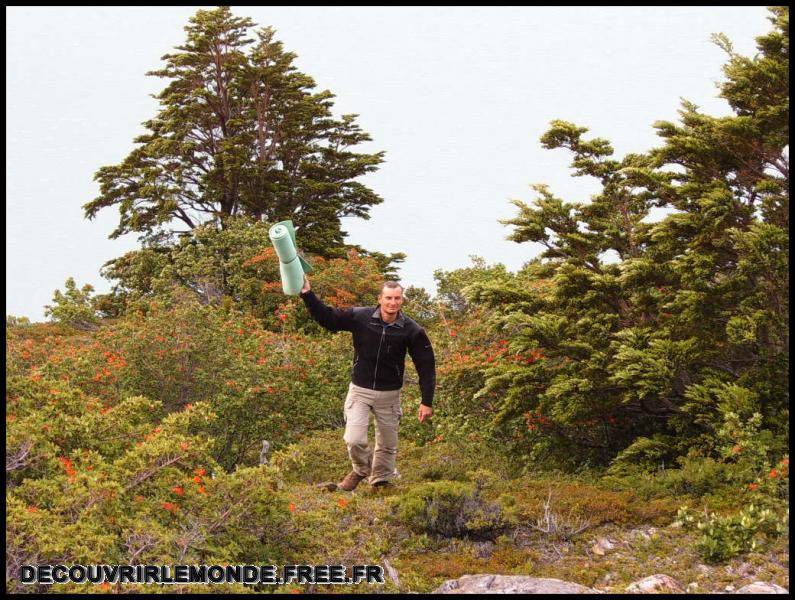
616, 408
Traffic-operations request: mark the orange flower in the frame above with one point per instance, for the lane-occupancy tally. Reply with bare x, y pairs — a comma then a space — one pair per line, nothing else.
178, 490
202, 490
200, 471
197, 479
773, 474
342, 502
291, 507
737, 449
170, 506
139, 498
185, 445
753, 486
31, 509
785, 461
295, 591
453, 333
68, 466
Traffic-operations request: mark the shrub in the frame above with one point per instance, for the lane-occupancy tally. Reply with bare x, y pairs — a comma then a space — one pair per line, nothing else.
94, 484
450, 509
74, 307
723, 537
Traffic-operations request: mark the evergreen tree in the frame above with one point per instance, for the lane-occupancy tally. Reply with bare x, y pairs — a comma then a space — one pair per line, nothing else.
239, 134
657, 352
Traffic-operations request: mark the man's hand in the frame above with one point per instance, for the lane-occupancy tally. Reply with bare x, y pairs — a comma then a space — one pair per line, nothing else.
306, 287
425, 412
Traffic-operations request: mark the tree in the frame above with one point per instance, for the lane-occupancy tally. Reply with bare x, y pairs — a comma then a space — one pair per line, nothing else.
690, 328
451, 285
239, 134
74, 307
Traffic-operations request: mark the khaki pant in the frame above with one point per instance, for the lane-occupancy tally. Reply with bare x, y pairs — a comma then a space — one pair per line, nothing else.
377, 465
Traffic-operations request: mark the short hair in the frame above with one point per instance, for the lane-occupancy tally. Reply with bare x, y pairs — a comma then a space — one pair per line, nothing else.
391, 285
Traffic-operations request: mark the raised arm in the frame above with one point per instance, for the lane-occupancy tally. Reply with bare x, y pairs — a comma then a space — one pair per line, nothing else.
331, 318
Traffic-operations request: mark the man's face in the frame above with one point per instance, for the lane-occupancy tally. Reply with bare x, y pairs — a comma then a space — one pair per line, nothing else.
390, 300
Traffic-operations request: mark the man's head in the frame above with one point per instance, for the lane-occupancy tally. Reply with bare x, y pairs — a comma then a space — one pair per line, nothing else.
390, 300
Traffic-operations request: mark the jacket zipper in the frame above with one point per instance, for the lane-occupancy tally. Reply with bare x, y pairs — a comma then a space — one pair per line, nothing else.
383, 334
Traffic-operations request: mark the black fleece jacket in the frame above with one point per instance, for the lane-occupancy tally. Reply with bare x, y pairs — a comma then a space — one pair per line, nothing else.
380, 348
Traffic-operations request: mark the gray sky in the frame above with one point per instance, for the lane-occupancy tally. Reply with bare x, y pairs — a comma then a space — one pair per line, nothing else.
457, 97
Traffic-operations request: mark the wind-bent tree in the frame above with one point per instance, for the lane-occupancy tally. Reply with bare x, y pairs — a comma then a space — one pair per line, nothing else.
664, 352
239, 135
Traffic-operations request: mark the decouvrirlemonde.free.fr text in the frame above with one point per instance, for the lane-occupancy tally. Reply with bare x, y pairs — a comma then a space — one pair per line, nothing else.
171, 574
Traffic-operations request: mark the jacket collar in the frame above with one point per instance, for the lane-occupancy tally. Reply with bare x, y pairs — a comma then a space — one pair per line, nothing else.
399, 322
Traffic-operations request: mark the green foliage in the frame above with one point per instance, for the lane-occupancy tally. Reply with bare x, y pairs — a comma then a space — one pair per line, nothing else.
261, 384
723, 537
450, 509
13, 321
92, 484
240, 133
419, 304
642, 359
746, 462
74, 307
452, 285
237, 266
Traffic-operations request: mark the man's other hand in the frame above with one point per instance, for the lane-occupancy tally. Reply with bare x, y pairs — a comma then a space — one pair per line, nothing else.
306, 287
425, 412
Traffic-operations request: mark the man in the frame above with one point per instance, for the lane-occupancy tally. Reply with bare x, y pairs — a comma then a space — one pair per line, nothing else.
381, 338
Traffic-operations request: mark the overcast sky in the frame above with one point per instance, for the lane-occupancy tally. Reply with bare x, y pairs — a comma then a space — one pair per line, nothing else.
457, 98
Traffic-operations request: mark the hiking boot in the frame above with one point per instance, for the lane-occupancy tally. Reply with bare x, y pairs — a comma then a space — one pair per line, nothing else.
382, 484
350, 482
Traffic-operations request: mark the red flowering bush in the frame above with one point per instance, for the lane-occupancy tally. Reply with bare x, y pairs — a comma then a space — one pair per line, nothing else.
86, 485
261, 384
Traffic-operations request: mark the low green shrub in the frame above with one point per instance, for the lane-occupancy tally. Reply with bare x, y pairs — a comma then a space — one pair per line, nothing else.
450, 509
723, 537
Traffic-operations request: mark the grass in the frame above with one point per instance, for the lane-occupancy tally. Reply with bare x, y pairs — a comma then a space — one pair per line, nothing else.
361, 527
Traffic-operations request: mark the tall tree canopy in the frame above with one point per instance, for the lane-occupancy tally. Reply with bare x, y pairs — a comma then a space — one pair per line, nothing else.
239, 134
688, 331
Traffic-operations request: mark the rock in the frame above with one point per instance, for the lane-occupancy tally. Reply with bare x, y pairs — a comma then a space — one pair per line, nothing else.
655, 584
328, 486
602, 546
642, 534
263, 455
510, 584
744, 570
704, 569
760, 587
